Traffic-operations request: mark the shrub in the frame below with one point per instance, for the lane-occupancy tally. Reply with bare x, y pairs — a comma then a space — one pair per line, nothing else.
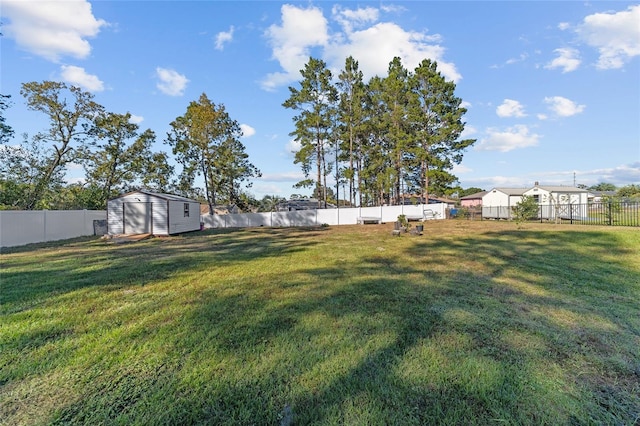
526, 209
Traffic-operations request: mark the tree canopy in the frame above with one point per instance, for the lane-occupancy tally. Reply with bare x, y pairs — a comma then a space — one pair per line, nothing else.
206, 142
398, 134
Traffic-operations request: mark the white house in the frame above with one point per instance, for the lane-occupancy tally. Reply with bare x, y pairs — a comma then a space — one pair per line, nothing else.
566, 202
497, 203
145, 212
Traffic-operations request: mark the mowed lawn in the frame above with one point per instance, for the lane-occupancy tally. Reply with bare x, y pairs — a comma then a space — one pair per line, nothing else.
471, 323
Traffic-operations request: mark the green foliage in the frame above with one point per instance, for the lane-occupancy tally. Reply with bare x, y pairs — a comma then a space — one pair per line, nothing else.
71, 112
630, 191
6, 131
398, 134
603, 186
404, 222
121, 158
525, 209
468, 191
206, 142
315, 101
269, 203
352, 124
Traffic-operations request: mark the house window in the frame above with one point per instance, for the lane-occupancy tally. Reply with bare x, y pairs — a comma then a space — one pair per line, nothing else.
536, 198
186, 209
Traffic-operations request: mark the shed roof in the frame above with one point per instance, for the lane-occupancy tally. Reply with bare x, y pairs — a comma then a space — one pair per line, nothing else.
564, 189
512, 191
162, 196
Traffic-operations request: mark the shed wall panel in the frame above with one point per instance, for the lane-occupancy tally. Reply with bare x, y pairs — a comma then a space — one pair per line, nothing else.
178, 223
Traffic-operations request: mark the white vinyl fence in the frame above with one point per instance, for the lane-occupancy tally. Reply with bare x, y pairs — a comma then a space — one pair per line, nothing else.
35, 226
342, 216
25, 227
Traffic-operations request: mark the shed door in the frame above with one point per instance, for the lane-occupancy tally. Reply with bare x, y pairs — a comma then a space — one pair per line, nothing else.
137, 218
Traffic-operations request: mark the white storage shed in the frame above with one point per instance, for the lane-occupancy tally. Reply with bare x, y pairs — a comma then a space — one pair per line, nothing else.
497, 203
145, 212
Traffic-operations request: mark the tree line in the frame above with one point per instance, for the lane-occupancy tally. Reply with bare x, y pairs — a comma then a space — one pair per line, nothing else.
387, 139
116, 154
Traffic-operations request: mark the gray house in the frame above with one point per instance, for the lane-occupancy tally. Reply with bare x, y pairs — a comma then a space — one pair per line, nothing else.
145, 212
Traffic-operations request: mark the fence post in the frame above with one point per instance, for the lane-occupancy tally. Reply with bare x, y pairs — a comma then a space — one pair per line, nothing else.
540, 212
570, 213
610, 214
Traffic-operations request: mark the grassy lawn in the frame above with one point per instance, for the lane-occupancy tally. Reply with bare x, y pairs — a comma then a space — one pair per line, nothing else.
470, 323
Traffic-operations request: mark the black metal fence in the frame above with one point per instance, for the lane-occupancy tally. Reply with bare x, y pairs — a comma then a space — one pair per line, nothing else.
615, 213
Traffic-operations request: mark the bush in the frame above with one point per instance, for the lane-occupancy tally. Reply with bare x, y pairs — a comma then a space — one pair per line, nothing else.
526, 209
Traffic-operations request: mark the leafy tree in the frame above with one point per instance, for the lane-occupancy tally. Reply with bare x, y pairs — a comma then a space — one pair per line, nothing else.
469, 191
437, 120
21, 169
352, 118
121, 158
629, 191
603, 186
315, 100
232, 169
395, 101
6, 132
526, 209
206, 142
71, 112
376, 179
269, 203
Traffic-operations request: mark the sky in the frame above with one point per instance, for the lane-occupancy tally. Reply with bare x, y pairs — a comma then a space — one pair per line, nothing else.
552, 89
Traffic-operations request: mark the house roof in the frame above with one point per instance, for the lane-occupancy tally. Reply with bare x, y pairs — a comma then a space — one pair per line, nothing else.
564, 189
474, 196
511, 191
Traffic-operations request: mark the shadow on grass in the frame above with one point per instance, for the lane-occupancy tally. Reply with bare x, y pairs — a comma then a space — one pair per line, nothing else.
82, 263
511, 327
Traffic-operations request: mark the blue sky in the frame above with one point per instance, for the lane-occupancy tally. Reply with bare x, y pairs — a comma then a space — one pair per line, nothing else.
552, 88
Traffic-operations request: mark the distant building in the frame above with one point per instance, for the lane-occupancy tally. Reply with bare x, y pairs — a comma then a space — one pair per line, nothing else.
472, 200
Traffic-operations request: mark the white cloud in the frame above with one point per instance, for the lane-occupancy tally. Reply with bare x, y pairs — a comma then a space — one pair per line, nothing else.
521, 58
247, 131
621, 175
171, 82
510, 108
376, 46
563, 107
224, 37
51, 29
460, 169
77, 76
136, 119
615, 35
292, 146
372, 46
515, 137
301, 29
349, 18
564, 26
295, 176
468, 132
568, 59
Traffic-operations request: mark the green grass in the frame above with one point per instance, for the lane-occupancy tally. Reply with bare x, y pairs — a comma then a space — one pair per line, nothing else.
470, 323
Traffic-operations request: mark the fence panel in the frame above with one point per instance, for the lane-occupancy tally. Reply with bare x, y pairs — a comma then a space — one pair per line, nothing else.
36, 226
616, 213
